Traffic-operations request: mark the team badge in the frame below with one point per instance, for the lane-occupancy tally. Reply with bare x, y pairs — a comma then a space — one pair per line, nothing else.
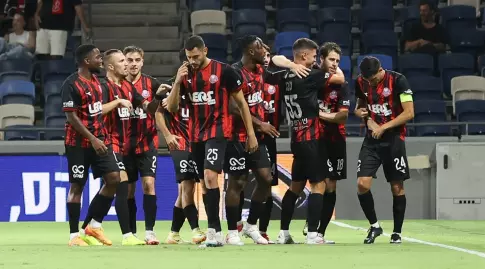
145, 94
386, 92
333, 95
213, 79
271, 89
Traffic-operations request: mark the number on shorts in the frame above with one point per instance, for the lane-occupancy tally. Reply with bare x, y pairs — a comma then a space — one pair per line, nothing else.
212, 155
340, 164
400, 164
154, 162
294, 109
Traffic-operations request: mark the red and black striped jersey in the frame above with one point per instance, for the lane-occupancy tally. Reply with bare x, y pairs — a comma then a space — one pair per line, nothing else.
85, 98
208, 91
179, 123
332, 99
301, 100
117, 122
143, 131
272, 107
383, 101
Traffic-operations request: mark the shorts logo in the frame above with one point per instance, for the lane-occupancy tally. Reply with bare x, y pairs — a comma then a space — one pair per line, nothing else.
78, 171
213, 79
187, 166
237, 164
271, 89
121, 165
145, 94
330, 166
333, 95
386, 92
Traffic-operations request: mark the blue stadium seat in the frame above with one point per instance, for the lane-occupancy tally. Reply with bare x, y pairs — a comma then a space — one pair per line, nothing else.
354, 131
293, 20
426, 88
334, 3
458, 18
346, 66
343, 39
249, 20
374, 3
410, 15
53, 108
17, 92
245, 4
216, 45
434, 111
386, 60
205, 4
453, 65
334, 19
25, 134
15, 70
471, 111
467, 41
416, 64
55, 122
56, 69
416, 2
377, 19
380, 42
281, 4
51, 88
283, 42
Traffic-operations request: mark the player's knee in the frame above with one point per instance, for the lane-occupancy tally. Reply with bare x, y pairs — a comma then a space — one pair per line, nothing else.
331, 185
318, 187
75, 193
363, 184
148, 185
123, 176
397, 188
210, 178
112, 179
297, 187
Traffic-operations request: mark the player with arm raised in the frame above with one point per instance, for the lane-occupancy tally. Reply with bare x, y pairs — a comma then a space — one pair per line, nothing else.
385, 103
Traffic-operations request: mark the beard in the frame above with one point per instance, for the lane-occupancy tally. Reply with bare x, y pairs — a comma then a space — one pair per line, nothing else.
96, 70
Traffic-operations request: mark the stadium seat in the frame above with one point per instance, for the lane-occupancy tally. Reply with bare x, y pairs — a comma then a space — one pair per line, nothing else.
467, 88
16, 114
467, 41
293, 20
52, 87
416, 2
334, 19
17, 92
249, 21
374, 3
205, 4
334, 3
471, 111
426, 88
379, 18
282, 4
472, 3
354, 131
53, 108
416, 64
380, 42
208, 21
453, 65
56, 70
343, 39
283, 42
346, 66
431, 111
386, 60
15, 70
55, 122
245, 4
410, 15
22, 132
458, 18
216, 45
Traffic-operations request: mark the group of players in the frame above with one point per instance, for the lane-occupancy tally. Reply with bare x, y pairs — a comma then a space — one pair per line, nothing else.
217, 117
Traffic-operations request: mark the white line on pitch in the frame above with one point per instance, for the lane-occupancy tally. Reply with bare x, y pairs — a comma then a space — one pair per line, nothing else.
468, 251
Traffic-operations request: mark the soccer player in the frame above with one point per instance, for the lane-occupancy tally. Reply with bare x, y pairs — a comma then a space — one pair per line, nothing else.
88, 145
301, 100
385, 103
117, 90
175, 129
208, 85
141, 159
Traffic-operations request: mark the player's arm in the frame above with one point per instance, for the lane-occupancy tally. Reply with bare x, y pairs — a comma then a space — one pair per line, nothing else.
259, 125
343, 113
283, 62
109, 104
173, 99
337, 78
172, 140
406, 97
361, 107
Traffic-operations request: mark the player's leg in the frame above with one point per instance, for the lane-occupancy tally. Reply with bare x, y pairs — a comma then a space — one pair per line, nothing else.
132, 173
241, 207
178, 219
147, 165
190, 210
288, 207
268, 207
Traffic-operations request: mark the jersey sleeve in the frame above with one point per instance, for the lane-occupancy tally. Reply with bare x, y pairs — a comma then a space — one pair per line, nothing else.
106, 95
71, 99
272, 78
231, 79
155, 84
344, 97
358, 90
322, 78
402, 85
138, 99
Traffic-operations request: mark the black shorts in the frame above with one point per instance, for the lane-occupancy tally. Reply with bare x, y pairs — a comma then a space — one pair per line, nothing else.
238, 161
209, 154
79, 160
308, 162
336, 152
270, 144
185, 167
390, 151
143, 164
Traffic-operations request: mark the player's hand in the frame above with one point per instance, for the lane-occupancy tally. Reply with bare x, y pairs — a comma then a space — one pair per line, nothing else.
269, 129
251, 144
372, 125
99, 146
126, 103
361, 113
172, 141
378, 132
300, 70
164, 103
163, 88
182, 72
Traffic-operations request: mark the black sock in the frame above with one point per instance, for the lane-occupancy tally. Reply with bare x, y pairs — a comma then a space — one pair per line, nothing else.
213, 199
99, 207
315, 203
241, 205
329, 199
287, 208
255, 211
367, 203
232, 216
74, 211
132, 209
150, 208
178, 219
266, 214
204, 199
121, 205
398, 211
192, 216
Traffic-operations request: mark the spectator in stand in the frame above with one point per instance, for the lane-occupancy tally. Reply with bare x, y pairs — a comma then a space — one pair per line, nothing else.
426, 36
27, 7
18, 44
54, 20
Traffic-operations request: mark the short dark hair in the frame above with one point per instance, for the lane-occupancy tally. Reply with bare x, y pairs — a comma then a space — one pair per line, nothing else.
133, 48
304, 43
328, 47
194, 41
182, 56
247, 40
429, 3
82, 52
107, 54
369, 66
